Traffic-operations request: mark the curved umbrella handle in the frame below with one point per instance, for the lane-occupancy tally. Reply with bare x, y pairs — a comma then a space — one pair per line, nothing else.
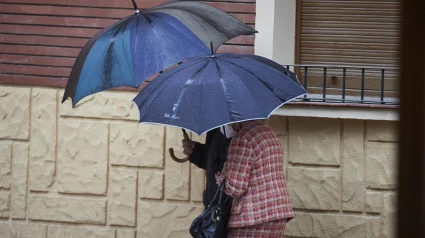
171, 150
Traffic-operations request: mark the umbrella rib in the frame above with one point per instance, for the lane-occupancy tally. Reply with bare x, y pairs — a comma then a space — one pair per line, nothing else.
123, 46
109, 55
273, 67
200, 103
177, 28
224, 90
215, 28
262, 81
135, 44
227, 36
179, 100
248, 57
92, 42
150, 100
249, 89
192, 13
164, 83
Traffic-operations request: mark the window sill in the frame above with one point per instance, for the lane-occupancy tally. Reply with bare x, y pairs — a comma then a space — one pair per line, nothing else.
340, 110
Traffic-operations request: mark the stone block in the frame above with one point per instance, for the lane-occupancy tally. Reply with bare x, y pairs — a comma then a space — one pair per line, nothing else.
277, 124
5, 163
22, 230
314, 141
176, 174
18, 206
151, 184
4, 204
83, 157
382, 131
301, 226
314, 188
14, 113
122, 197
74, 210
43, 139
107, 105
179, 217
373, 202
381, 165
321, 225
72, 231
352, 165
197, 184
389, 215
136, 144
126, 234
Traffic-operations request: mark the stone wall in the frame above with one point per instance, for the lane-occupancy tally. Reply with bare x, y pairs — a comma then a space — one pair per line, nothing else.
93, 171
342, 177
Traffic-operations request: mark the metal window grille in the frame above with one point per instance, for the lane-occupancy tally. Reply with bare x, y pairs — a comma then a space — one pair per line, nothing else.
348, 84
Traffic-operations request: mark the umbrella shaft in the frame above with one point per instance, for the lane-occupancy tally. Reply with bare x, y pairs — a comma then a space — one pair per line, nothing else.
212, 49
135, 5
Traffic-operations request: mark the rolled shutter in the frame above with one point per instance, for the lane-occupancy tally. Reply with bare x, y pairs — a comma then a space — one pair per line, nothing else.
357, 33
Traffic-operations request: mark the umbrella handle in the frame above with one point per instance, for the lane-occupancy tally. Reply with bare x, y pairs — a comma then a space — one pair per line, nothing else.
171, 150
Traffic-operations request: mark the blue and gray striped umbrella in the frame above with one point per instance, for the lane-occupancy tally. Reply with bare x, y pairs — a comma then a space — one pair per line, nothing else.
139, 46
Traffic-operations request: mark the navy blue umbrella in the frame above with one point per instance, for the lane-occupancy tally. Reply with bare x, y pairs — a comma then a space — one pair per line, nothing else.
139, 46
206, 92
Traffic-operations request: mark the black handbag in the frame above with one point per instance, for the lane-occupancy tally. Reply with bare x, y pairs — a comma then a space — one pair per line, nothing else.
212, 223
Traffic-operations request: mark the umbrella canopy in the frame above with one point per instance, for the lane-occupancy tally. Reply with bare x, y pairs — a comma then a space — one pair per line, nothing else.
206, 92
138, 46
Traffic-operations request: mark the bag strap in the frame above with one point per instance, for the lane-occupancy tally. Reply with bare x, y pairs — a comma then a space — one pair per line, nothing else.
223, 183
218, 194
221, 189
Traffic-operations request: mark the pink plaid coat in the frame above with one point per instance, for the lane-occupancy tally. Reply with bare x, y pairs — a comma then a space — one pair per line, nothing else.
255, 178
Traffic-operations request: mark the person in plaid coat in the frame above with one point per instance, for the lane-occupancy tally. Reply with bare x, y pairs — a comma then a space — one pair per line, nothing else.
254, 177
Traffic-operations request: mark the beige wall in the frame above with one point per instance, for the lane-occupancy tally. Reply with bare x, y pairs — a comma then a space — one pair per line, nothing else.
93, 171
342, 177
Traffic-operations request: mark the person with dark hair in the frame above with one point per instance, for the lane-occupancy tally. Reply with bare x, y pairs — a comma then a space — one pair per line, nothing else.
210, 157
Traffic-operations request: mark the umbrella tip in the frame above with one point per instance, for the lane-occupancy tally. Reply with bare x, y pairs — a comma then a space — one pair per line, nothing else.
135, 6
212, 49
